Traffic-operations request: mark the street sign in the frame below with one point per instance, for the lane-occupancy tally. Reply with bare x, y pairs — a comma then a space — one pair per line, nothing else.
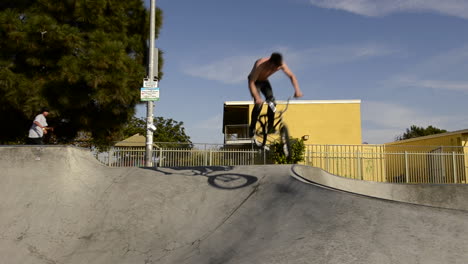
149, 94
150, 83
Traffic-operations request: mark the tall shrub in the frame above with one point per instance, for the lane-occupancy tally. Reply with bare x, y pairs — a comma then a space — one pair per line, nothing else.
297, 151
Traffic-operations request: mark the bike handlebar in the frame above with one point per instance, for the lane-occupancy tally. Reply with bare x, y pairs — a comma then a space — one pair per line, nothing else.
272, 105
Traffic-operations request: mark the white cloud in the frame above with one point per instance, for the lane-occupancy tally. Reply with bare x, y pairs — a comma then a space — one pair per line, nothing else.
208, 130
227, 70
213, 122
458, 8
380, 136
384, 121
339, 54
389, 115
452, 59
434, 72
407, 81
235, 69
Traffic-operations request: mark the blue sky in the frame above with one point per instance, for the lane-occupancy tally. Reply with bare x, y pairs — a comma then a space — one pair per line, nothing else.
407, 60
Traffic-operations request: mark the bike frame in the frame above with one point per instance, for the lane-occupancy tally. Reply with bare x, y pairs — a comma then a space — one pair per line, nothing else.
278, 117
283, 130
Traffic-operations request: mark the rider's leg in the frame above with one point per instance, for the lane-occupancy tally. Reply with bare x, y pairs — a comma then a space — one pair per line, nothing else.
268, 92
254, 117
256, 109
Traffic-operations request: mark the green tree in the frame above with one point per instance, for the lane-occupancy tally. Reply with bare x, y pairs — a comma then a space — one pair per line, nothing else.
297, 151
85, 60
167, 131
415, 131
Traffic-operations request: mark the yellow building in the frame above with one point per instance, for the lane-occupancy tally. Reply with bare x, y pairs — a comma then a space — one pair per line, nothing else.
317, 121
453, 139
439, 158
134, 141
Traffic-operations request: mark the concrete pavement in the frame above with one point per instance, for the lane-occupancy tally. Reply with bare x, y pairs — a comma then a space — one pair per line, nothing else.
60, 205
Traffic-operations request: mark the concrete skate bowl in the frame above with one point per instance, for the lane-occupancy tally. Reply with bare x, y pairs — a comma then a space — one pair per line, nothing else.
59, 205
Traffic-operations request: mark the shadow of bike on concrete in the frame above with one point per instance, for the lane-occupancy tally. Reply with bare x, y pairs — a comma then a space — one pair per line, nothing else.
218, 176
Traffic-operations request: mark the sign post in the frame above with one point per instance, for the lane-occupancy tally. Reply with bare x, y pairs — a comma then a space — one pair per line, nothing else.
152, 84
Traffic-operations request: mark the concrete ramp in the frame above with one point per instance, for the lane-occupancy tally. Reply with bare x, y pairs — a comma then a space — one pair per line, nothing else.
59, 205
449, 196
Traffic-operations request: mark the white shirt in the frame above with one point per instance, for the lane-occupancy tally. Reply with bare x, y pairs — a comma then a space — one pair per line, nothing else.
35, 131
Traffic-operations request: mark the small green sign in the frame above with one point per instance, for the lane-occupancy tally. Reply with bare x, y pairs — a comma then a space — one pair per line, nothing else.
149, 94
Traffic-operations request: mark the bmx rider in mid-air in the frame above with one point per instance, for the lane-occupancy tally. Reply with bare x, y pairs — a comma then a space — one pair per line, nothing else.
258, 82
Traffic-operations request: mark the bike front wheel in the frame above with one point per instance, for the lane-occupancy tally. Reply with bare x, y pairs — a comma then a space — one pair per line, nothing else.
284, 134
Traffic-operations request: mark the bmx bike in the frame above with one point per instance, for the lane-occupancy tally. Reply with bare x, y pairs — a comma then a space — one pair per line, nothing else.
263, 137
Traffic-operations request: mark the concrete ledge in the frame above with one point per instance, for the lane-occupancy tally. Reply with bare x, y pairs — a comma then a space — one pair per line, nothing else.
448, 196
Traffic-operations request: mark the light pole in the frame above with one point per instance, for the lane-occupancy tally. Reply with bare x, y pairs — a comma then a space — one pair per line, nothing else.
152, 73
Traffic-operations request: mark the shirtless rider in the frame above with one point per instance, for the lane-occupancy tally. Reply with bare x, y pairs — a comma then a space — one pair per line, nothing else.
258, 82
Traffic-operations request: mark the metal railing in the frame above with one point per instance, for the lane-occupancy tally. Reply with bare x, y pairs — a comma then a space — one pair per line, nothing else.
184, 157
399, 164
202, 155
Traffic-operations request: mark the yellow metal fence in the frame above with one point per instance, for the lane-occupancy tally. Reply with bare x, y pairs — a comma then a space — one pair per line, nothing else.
397, 164
405, 164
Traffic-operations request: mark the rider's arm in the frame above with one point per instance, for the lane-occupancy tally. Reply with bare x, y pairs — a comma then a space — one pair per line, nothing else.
253, 76
44, 128
292, 77
39, 125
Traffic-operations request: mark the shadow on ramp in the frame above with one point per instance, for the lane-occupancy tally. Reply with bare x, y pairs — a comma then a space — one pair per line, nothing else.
225, 180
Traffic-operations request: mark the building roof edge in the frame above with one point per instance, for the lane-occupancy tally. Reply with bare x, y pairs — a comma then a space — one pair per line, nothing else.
352, 101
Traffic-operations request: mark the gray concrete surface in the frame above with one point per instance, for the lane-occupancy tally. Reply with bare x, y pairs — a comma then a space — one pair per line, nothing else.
449, 196
59, 205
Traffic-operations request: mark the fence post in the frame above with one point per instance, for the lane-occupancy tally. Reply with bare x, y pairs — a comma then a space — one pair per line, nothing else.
359, 165
211, 158
111, 153
406, 167
160, 157
455, 175
327, 160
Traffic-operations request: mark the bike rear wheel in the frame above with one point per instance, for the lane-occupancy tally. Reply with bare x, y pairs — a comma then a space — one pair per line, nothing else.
284, 134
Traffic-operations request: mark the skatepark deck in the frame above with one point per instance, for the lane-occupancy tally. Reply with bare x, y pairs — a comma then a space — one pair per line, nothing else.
60, 205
